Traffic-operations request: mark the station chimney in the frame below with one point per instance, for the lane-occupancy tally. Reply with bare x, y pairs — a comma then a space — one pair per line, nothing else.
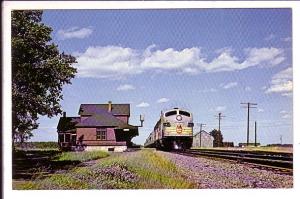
109, 106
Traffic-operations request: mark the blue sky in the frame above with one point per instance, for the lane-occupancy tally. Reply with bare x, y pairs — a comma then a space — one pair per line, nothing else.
205, 60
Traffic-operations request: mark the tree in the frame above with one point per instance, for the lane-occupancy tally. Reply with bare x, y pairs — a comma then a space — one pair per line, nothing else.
39, 72
218, 138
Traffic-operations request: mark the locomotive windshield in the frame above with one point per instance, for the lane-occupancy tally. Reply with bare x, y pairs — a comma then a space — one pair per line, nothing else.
185, 113
170, 113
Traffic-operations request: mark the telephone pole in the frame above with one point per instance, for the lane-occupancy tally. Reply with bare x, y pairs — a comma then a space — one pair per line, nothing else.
249, 105
201, 126
219, 117
255, 128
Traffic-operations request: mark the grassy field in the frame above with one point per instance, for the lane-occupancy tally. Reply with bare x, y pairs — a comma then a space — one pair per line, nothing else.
40, 163
144, 169
37, 146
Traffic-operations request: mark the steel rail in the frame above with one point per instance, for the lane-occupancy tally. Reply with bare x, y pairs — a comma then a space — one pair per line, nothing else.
244, 155
278, 163
273, 153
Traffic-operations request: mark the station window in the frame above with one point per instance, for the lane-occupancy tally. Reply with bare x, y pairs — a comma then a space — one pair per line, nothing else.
61, 137
74, 139
170, 113
111, 149
185, 113
67, 137
101, 134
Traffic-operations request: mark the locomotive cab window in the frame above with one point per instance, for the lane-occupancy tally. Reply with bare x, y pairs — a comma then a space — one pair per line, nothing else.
170, 113
185, 113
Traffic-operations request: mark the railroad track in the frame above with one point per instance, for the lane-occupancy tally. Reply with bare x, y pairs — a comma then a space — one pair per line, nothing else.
278, 162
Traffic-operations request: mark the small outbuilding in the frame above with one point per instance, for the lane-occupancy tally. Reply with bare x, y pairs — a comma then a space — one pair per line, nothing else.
203, 139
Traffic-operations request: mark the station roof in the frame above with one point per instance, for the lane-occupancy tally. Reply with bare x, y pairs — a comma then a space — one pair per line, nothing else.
105, 119
67, 123
91, 109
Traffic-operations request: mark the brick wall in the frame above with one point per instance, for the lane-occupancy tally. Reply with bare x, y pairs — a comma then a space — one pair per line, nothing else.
88, 136
110, 134
86, 133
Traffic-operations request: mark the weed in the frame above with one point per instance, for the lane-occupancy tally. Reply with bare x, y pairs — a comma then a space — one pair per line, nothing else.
144, 169
81, 156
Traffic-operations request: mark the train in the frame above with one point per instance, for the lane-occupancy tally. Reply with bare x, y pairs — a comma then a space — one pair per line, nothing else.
173, 131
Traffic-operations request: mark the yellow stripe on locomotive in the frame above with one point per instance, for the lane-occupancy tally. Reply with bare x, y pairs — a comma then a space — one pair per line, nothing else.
177, 131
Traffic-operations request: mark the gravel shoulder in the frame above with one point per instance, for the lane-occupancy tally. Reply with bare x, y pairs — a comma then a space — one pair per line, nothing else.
218, 174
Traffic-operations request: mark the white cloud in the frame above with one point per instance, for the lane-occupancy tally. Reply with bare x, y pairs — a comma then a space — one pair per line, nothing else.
269, 56
260, 110
263, 87
230, 85
117, 61
207, 90
286, 116
283, 112
171, 59
107, 62
74, 32
223, 50
287, 39
143, 105
270, 37
282, 83
287, 94
163, 100
125, 87
220, 108
224, 62
248, 88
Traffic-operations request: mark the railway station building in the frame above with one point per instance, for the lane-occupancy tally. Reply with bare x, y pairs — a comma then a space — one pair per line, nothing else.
98, 127
203, 139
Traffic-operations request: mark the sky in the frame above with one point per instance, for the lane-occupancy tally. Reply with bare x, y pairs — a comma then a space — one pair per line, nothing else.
204, 60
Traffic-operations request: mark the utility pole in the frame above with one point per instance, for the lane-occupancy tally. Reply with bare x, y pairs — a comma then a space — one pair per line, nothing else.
255, 128
219, 117
201, 126
200, 132
280, 139
249, 105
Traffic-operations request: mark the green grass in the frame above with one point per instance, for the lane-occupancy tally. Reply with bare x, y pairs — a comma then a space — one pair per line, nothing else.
144, 169
81, 156
152, 170
157, 172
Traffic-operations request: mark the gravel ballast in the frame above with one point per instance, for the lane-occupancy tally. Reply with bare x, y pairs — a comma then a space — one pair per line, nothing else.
218, 174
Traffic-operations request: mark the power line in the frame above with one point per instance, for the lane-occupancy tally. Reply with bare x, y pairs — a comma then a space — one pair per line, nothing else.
249, 105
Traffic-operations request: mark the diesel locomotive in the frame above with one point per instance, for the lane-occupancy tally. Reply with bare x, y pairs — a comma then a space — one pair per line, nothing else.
173, 130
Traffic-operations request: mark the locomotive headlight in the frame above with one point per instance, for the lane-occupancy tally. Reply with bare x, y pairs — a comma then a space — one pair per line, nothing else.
179, 117
190, 124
